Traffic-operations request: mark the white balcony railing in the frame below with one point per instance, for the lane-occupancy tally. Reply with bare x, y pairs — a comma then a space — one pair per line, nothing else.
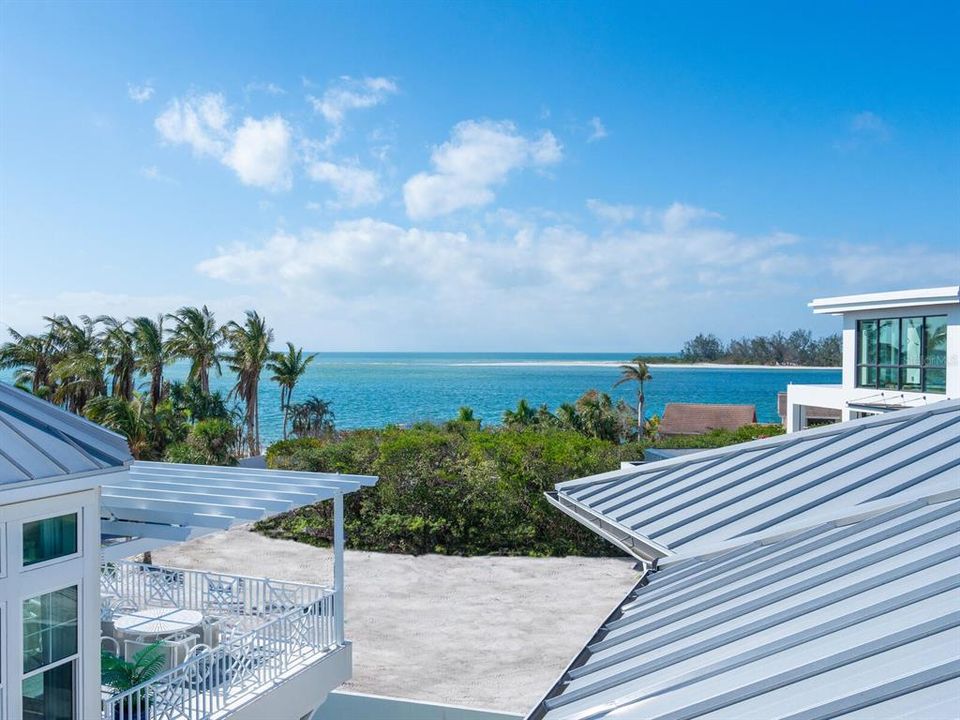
269, 629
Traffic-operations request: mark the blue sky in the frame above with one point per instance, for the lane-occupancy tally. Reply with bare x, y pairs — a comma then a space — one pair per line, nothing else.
483, 176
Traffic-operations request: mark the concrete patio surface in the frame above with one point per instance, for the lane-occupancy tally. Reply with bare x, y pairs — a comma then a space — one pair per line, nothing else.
486, 632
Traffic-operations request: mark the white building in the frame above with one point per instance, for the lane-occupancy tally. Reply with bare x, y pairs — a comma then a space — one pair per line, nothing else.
900, 349
73, 503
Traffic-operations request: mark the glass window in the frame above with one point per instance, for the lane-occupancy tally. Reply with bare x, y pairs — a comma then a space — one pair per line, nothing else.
903, 354
910, 379
49, 695
936, 340
868, 342
935, 380
49, 628
49, 538
911, 340
889, 342
889, 378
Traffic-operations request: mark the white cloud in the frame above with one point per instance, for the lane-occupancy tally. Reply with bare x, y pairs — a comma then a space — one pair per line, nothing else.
371, 257
350, 94
478, 157
871, 124
863, 266
268, 88
679, 217
532, 285
616, 214
198, 121
140, 93
597, 130
353, 184
864, 128
260, 152
152, 172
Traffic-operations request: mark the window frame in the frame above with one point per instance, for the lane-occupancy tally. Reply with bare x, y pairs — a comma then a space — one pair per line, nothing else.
60, 558
877, 367
74, 657
74, 661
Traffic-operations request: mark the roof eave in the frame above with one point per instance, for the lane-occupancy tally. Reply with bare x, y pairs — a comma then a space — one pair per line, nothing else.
643, 549
887, 300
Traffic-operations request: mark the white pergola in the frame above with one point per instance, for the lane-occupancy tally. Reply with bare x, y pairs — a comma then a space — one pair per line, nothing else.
153, 504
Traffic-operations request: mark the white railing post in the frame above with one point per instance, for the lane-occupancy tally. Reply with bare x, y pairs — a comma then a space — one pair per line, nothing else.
338, 566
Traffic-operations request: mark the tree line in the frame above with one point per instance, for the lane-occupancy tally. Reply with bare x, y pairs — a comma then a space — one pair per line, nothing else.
112, 371
796, 348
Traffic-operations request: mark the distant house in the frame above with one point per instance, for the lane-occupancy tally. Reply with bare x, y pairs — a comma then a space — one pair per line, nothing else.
900, 350
699, 418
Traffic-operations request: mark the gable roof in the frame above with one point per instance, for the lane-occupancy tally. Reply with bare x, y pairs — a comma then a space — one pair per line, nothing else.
698, 418
719, 498
852, 619
42, 442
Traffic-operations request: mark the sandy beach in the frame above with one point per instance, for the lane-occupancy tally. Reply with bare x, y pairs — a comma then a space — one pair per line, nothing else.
486, 632
618, 363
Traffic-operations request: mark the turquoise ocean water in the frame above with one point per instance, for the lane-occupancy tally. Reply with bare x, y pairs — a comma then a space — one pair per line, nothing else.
374, 389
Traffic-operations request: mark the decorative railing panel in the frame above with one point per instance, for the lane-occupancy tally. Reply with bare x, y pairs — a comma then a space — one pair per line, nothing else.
276, 626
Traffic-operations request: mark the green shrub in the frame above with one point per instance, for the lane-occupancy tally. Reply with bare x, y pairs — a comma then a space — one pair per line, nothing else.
719, 438
209, 442
452, 489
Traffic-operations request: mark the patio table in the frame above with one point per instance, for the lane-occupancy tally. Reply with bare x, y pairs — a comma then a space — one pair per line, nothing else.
158, 621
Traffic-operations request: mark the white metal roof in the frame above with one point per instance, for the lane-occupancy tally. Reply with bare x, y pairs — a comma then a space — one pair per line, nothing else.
42, 442
886, 300
718, 498
854, 620
169, 502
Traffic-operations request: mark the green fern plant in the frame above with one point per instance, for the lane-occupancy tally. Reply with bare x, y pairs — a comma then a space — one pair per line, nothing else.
121, 675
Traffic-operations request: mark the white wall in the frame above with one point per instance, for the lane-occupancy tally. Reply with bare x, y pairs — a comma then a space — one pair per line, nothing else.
18, 583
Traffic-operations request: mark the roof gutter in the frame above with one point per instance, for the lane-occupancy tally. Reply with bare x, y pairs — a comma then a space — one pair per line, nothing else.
641, 548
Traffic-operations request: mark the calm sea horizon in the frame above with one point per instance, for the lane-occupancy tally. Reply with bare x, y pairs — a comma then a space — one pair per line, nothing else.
370, 389
376, 389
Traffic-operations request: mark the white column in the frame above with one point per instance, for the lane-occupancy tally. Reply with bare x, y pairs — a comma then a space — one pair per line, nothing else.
338, 565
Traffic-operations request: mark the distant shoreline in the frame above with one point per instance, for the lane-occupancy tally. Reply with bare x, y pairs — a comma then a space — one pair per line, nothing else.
618, 363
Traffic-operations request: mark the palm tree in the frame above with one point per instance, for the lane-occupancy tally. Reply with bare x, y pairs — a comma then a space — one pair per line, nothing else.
287, 371
152, 353
118, 349
569, 418
250, 345
78, 370
637, 372
197, 337
523, 416
312, 418
32, 357
130, 418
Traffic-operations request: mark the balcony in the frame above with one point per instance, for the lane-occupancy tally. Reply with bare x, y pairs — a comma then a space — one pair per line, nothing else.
252, 637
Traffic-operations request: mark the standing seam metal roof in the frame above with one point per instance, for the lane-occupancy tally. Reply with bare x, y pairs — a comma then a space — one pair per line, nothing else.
842, 620
717, 497
40, 441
